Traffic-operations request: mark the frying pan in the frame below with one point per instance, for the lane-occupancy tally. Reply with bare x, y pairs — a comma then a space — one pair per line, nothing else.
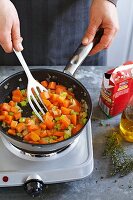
65, 78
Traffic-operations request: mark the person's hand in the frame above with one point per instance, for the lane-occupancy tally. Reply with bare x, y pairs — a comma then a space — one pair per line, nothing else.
103, 14
9, 27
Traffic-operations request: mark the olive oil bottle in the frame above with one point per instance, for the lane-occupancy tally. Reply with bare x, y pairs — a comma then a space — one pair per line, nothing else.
126, 123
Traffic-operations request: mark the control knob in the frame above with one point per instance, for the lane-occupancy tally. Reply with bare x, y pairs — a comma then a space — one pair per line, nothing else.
34, 185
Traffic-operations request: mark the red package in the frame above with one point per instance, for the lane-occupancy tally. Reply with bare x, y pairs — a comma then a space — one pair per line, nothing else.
117, 87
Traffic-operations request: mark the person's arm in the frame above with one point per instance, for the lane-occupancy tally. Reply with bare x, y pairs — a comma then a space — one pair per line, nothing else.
9, 27
103, 14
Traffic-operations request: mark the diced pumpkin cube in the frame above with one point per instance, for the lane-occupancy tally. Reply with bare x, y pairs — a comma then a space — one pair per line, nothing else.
52, 85
2, 117
59, 89
8, 119
34, 137
45, 83
65, 111
14, 109
14, 124
11, 131
5, 107
74, 119
12, 103
44, 95
17, 115
33, 127
76, 128
20, 127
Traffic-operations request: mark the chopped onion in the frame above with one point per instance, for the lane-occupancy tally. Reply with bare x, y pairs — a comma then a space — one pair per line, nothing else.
20, 79
6, 87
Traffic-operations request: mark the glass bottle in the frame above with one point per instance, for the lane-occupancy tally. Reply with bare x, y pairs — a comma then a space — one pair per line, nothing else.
126, 123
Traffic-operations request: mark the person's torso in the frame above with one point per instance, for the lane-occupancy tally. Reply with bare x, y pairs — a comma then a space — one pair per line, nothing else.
51, 30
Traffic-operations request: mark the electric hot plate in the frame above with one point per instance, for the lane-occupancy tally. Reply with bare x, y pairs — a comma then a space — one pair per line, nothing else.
75, 162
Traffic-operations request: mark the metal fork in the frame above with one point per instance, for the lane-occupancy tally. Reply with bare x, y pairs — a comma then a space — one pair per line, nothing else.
32, 84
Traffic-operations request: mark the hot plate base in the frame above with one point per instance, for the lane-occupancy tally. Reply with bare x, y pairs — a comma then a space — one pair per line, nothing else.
75, 164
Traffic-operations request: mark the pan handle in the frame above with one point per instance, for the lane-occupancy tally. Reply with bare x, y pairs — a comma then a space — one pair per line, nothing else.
81, 53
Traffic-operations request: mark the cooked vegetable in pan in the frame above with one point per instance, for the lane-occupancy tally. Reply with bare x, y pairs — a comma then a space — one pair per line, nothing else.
64, 118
